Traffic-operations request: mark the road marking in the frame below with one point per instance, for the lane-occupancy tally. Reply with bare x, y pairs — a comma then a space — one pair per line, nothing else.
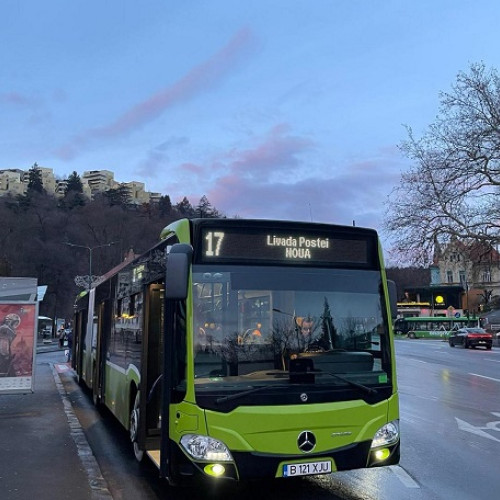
404, 477
484, 376
479, 431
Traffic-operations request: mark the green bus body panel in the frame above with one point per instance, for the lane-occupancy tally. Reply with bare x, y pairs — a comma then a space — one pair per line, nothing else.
86, 368
186, 418
390, 328
434, 334
117, 391
274, 430
266, 430
180, 228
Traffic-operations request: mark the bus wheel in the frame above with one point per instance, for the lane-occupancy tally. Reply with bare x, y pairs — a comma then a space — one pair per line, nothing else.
134, 429
411, 335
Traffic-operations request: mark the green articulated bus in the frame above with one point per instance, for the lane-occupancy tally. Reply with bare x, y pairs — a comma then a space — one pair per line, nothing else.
245, 349
432, 327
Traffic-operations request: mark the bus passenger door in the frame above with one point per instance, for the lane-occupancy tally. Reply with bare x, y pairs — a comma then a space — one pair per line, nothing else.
104, 313
149, 432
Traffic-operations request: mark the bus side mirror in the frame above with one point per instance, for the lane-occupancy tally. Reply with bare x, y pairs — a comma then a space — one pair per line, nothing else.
177, 272
393, 298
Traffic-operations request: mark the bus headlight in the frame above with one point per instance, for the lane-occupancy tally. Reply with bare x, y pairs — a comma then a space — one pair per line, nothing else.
205, 448
388, 434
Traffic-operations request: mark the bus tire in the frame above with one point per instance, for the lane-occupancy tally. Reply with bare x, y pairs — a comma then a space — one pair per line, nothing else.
134, 428
411, 335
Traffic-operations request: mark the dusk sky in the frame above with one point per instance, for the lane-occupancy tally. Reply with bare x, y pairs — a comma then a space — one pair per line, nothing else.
284, 109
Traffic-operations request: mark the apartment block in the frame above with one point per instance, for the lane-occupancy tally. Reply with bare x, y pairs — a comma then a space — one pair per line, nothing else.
11, 181
15, 182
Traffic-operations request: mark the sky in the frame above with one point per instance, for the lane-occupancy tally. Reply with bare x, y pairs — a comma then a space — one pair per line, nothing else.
276, 109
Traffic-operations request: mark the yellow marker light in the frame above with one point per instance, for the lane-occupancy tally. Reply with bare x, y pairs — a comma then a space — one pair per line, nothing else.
382, 454
215, 470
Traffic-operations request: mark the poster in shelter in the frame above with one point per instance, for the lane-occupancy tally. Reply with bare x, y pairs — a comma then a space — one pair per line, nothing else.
17, 339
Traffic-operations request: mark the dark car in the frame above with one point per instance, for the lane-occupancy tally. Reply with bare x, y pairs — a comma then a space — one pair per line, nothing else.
471, 337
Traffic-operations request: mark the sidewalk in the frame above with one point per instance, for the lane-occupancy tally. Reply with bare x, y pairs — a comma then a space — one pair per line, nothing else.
44, 452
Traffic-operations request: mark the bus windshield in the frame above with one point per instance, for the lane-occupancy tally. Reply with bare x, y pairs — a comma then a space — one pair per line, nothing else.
261, 330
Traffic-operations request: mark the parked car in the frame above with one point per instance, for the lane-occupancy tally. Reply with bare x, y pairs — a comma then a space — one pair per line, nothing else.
471, 337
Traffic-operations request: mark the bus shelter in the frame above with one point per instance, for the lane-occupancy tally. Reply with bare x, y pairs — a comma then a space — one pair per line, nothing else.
18, 324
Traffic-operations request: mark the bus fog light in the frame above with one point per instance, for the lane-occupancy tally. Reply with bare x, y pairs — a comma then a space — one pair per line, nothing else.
214, 470
382, 454
205, 448
388, 434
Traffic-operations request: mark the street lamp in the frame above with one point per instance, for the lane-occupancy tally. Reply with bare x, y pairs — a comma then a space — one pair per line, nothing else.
90, 249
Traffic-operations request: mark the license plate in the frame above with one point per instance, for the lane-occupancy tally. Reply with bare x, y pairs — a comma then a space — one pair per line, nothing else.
307, 469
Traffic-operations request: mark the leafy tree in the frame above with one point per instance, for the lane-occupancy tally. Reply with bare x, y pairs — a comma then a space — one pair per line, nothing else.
35, 181
204, 208
73, 183
328, 338
35, 228
453, 186
184, 208
165, 205
118, 196
73, 192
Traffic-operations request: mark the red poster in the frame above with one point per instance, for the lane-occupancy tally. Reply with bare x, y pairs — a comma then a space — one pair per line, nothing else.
17, 337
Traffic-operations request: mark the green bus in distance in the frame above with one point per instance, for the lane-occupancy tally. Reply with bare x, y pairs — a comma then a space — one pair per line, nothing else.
432, 327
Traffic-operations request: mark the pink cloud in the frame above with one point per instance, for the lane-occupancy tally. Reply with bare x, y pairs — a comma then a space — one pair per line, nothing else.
15, 98
354, 192
199, 79
21, 101
192, 168
259, 182
278, 151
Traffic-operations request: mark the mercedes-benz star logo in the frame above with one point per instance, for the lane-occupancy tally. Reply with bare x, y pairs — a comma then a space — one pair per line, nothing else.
306, 441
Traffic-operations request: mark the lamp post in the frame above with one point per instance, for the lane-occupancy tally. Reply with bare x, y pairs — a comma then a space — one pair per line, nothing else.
90, 249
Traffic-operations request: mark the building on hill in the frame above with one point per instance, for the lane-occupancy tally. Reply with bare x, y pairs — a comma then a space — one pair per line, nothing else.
99, 181
15, 182
11, 181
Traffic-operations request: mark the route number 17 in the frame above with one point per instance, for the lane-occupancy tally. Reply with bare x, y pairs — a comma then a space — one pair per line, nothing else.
214, 242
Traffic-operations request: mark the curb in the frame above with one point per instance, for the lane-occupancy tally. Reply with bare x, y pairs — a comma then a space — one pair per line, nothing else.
97, 483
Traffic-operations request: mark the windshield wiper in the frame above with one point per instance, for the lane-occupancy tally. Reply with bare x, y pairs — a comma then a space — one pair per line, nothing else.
364, 388
241, 394
260, 388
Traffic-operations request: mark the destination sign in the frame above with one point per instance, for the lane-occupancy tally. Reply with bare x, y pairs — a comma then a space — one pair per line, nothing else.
293, 246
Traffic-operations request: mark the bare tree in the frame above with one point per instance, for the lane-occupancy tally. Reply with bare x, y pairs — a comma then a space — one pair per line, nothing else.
452, 188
